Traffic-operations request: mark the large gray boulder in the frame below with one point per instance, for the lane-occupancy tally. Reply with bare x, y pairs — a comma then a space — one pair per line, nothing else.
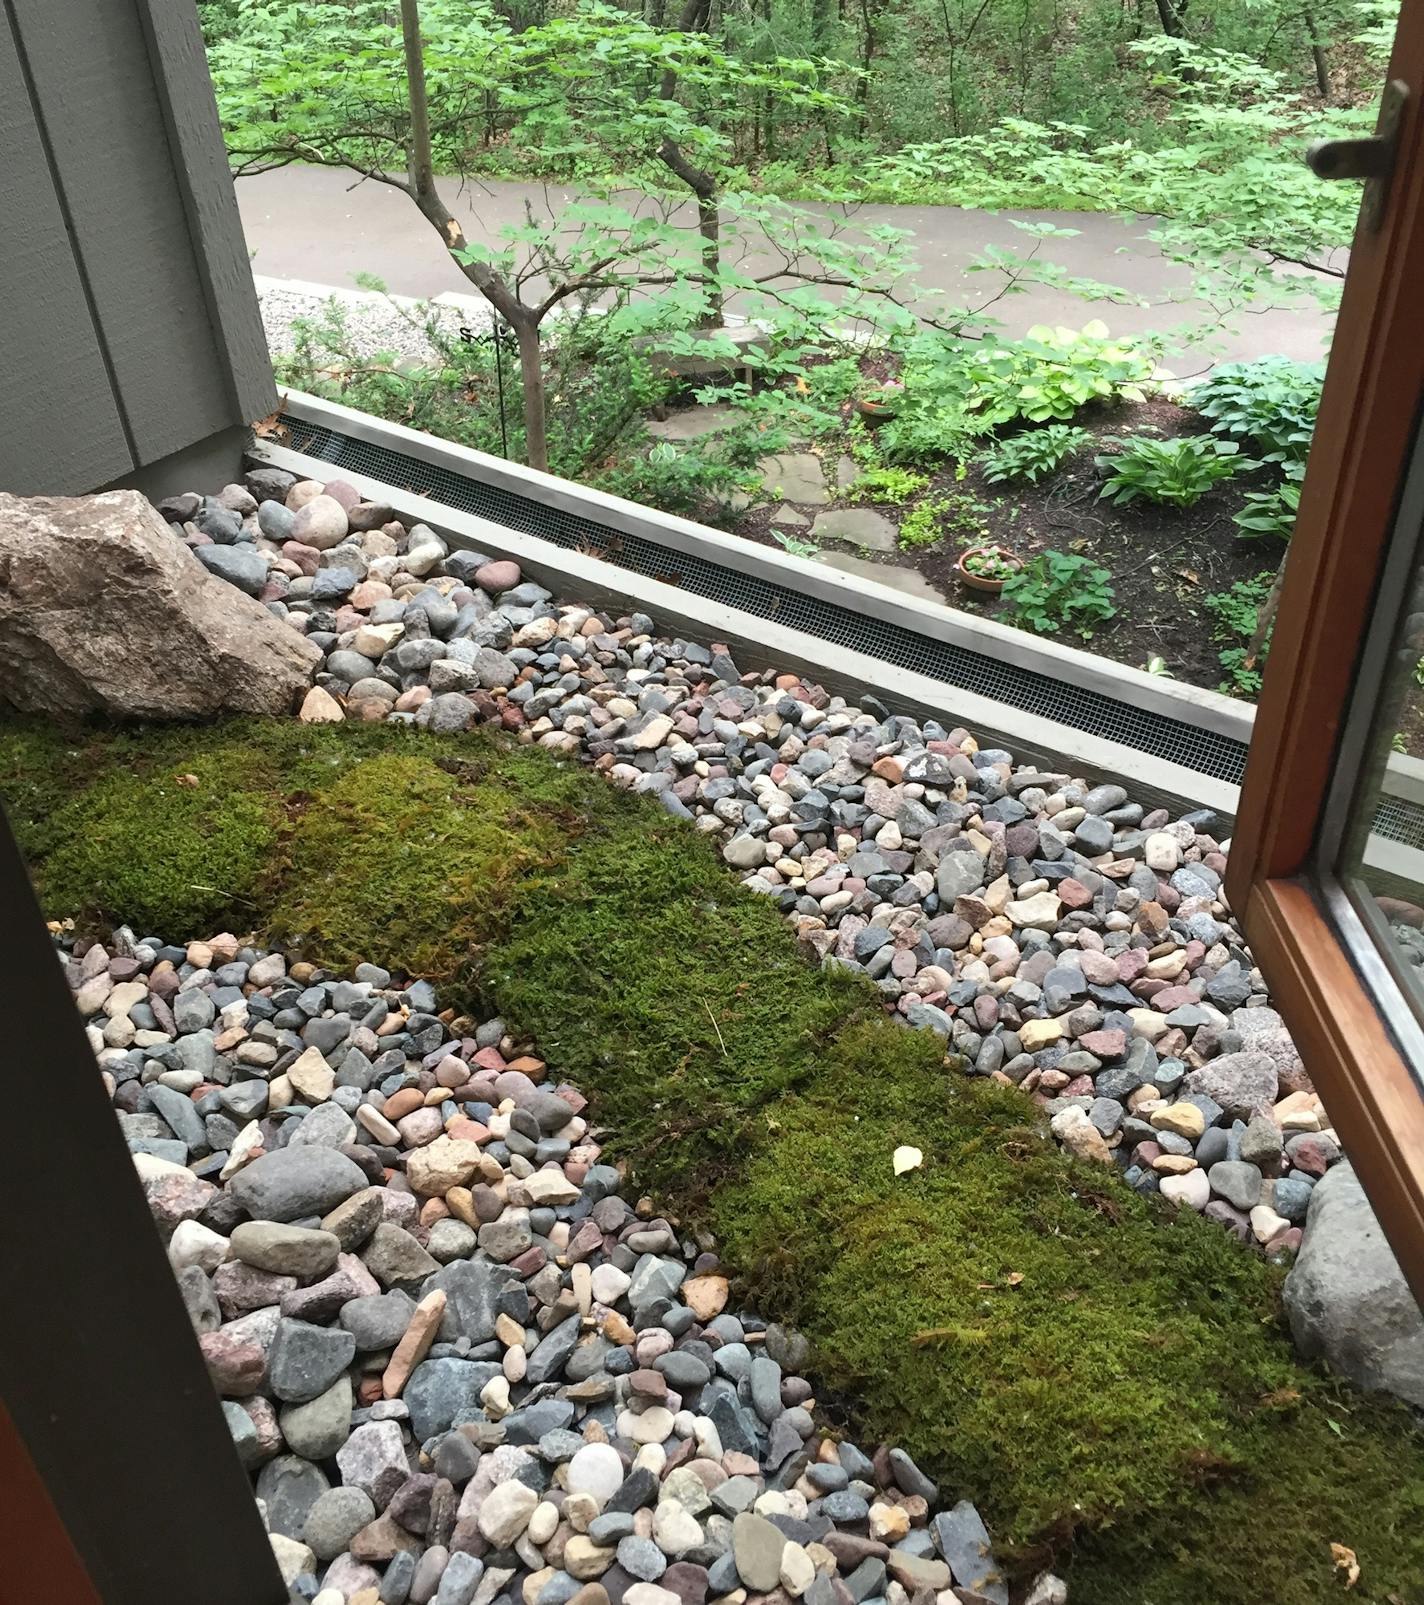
103, 609
1347, 1298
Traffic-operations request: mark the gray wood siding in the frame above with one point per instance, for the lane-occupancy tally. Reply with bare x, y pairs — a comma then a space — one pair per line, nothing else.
129, 328
57, 397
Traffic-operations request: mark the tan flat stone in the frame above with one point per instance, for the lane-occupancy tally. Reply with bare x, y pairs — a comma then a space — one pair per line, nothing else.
414, 1344
312, 1077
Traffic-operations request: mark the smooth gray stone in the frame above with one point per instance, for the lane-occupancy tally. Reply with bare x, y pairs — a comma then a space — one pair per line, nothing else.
290, 1183
306, 1359
1346, 1296
289, 1486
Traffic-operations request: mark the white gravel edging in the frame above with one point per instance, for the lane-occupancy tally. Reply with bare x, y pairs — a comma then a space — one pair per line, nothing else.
378, 322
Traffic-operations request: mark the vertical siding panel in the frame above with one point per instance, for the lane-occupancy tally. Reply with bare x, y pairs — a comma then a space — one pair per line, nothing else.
60, 426
90, 67
180, 64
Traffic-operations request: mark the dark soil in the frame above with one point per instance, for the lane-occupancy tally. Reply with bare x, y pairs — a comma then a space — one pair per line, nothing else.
1164, 561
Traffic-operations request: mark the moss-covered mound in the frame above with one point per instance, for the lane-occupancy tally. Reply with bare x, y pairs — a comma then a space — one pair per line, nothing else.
1083, 1365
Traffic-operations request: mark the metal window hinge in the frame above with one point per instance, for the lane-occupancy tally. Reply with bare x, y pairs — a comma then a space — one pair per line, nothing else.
1371, 159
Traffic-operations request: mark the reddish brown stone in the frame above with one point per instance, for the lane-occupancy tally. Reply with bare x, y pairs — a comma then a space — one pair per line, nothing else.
236, 1365
402, 1103
1131, 962
1074, 894
1105, 1045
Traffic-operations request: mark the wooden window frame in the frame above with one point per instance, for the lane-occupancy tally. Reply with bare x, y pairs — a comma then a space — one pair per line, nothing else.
1365, 439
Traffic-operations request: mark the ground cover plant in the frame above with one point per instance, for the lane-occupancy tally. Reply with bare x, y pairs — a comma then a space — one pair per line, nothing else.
1235, 615
1110, 1381
1061, 591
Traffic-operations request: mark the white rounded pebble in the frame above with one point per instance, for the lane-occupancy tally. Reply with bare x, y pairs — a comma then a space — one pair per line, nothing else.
543, 1523
1266, 1223
797, 1570
596, 1470
1193, 1189
495, 1397
652, 1426
674, 1530
610, 1284
192, 1243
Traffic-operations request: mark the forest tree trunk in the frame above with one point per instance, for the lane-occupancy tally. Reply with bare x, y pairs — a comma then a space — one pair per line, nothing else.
531, 373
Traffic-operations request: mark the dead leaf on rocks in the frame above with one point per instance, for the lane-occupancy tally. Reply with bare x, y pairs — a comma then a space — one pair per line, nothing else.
1345, 1562
271, 427
190, 781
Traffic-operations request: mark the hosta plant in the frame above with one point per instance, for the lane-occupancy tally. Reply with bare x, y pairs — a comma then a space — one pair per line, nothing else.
1034, 454
1268, 405
1270, 512
1172, 473
1051, 374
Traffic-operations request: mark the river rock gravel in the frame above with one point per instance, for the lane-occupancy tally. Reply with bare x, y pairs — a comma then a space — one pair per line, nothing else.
483, 1376
1058, 935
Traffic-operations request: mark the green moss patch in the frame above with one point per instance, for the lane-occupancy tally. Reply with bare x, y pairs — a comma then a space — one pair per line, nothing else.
412, 863
1110, 1383
364, 843
1028, 1326
655, 982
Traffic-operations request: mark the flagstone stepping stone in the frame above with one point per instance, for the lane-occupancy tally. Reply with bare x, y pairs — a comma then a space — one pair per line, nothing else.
861, 526
908, 580
797, 477
692, 423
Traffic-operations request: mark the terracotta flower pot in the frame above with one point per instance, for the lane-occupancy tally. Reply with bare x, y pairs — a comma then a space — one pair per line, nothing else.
981, 582
874, 411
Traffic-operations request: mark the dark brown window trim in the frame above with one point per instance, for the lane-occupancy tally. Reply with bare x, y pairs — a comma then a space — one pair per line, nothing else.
1359, 458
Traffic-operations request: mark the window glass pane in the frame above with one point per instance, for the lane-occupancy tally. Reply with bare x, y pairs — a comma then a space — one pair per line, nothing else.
1381, 851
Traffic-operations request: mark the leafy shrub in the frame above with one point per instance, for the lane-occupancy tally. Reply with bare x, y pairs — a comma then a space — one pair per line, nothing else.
1172, 473
1270, 512
1060, 591
1235, 613
930, 431
1268, 405
1034, 454
598, 383
686, 477
1050, 373
887, 485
